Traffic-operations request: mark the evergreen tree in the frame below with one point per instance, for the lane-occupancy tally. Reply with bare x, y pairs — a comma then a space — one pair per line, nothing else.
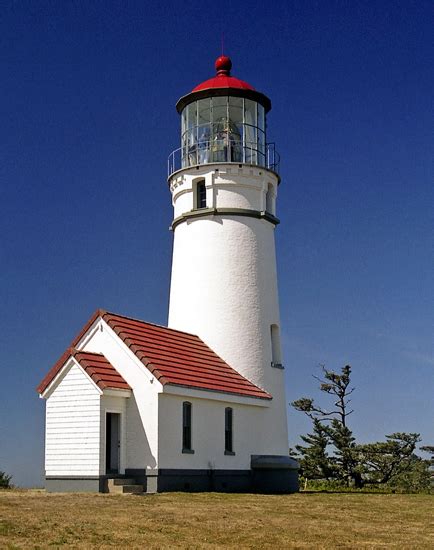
333, 423
383, 461
415, 478
344, 459
331, 452
314, 460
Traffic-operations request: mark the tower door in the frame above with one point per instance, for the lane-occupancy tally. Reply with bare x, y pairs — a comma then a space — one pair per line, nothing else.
113, 442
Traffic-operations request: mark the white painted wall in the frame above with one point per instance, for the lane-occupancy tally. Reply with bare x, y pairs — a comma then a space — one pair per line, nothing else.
139, 454
208, 434
224, 281
72, 430
228, 186
141, 429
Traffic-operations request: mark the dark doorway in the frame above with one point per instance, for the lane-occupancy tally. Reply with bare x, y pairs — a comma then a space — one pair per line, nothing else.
112, 442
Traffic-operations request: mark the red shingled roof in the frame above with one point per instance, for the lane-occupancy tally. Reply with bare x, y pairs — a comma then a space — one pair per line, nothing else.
174, 357
99, 369
179, 358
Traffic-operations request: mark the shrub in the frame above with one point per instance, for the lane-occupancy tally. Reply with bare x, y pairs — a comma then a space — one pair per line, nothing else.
5, 481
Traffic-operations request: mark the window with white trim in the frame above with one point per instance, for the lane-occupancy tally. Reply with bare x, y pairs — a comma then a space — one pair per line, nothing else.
229, 431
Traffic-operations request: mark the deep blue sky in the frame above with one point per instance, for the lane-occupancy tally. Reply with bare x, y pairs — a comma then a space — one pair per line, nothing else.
87, 120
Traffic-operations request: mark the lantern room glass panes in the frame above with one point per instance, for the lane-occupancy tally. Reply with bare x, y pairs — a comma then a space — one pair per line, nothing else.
219, 109
189, 137
250, 142
223, 129
203, 111
236, 105
191, 115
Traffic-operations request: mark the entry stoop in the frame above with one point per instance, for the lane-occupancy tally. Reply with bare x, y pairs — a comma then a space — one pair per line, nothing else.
124, 486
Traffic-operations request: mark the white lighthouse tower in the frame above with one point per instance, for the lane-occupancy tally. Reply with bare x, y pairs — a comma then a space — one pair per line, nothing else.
199, 405
224, 181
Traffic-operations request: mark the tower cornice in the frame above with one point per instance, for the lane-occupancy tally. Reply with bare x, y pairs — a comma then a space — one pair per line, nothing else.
199, 169
243, 212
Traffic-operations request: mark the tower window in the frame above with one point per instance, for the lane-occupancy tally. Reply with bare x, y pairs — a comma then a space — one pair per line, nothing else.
200, 194
269, 206
186, 427
229, 417
276, 354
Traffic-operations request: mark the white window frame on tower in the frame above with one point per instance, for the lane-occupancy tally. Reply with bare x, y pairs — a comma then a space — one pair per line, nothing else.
199, 194
276, 352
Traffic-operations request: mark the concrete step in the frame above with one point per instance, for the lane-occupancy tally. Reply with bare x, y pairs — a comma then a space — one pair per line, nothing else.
123, 486
116, 481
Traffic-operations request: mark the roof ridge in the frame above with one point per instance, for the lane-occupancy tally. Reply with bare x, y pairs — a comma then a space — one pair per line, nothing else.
148, 323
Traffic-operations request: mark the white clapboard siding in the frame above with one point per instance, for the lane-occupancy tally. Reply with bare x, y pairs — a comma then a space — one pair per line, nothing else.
72, 435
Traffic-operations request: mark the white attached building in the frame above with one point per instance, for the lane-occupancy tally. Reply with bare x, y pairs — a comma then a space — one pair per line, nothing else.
199, 405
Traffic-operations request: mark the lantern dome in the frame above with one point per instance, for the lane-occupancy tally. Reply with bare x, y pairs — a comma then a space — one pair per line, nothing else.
223, 78
223, 120
224, 84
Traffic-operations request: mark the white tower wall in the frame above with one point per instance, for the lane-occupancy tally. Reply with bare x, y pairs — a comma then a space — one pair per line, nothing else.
224, 281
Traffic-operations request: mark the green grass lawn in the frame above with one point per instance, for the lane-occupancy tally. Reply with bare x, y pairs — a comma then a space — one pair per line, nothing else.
35, 519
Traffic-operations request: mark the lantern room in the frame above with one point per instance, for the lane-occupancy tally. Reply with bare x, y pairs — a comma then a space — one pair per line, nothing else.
223, 120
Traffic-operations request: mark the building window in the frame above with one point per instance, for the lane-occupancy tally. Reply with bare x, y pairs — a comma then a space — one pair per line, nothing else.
186, 427
200, 194
229, 431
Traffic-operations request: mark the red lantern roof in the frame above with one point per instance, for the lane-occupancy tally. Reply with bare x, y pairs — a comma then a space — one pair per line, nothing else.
223, 84
223, 78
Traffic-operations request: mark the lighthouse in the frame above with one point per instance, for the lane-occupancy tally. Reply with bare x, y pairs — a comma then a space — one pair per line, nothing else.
224, 181
198, 405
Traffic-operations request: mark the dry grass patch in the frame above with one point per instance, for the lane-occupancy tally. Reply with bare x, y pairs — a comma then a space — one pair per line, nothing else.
35, 519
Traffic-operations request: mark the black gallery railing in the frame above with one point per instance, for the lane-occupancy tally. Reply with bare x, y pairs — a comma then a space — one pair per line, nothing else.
223, 150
